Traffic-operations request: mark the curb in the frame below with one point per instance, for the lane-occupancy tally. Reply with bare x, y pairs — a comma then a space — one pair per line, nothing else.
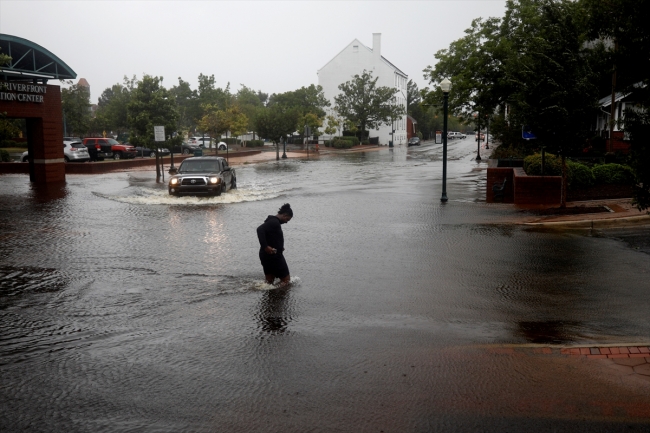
597, 223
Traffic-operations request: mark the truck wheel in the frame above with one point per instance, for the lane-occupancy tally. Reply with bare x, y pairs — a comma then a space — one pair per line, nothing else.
186, 151
117, 155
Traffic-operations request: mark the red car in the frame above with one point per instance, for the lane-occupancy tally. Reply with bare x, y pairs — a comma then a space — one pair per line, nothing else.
119, 150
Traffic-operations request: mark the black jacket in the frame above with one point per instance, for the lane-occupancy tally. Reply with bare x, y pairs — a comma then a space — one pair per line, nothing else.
270, 234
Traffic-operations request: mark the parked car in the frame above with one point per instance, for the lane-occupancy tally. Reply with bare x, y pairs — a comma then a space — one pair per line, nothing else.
414, 141
72, 151
185, 148
222, 145
200, 140
202, 175
452, 135
98, 148
72, 139
145, 151
75, 151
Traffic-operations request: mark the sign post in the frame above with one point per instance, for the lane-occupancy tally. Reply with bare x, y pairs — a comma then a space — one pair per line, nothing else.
159, 135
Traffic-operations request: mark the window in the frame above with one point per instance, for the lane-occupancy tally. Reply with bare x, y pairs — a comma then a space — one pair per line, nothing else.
355, 48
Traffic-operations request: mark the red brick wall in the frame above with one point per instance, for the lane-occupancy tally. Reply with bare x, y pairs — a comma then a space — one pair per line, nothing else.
536, 189
618, 145
44, 132
496, 176
523, 189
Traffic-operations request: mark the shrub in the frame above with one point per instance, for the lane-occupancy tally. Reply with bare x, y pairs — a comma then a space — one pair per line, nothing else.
552, 165
338, 143
4, 156
613, 174
580, 175
354, 140
365, 141
231, 140
255, 143
11, 143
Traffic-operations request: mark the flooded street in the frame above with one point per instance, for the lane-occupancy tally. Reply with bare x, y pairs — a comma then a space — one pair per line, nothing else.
125, 309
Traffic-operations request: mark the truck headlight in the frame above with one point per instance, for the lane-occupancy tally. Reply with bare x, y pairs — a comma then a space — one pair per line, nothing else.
173, 181
215, 180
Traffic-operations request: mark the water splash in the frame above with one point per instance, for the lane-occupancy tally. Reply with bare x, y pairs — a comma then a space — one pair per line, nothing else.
151, 196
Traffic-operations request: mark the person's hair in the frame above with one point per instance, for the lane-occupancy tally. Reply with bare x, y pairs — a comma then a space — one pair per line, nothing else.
286, 210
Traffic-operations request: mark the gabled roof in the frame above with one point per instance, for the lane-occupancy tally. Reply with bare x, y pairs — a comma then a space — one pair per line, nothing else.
607, 100
31, 61
369, 50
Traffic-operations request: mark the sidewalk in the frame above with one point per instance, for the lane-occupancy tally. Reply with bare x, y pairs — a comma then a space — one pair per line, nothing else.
615, 213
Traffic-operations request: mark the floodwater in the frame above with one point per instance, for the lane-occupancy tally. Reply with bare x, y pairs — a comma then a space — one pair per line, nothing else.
123, 309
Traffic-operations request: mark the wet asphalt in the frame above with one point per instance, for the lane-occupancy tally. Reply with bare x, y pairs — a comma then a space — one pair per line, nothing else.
125, 309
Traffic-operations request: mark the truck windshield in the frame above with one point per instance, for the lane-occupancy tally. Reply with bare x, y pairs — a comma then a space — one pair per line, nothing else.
199, 166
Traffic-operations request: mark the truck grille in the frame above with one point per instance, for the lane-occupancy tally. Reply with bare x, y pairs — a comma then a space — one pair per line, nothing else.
193, 181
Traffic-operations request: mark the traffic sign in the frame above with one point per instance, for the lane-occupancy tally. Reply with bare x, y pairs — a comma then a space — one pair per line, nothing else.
159, 133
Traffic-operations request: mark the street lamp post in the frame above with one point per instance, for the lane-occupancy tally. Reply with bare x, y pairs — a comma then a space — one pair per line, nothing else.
284, 148
478, 138
445, 86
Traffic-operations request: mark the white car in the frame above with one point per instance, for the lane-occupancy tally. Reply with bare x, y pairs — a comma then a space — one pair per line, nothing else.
459, 135
72, 151
201, 141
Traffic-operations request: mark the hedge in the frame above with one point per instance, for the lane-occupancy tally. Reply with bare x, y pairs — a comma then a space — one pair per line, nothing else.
552, 165
354, 140
255, 143
4, 156
579, 175
613, 174
11, 143
231, 140
338, 143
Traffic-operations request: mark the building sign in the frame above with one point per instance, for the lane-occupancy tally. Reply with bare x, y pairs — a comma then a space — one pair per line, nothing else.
22, 92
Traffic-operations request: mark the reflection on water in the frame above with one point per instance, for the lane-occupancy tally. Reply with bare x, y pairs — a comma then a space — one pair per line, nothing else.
274, 315
550, 332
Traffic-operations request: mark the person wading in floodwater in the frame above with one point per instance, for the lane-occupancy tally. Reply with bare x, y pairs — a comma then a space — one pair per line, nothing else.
272, 246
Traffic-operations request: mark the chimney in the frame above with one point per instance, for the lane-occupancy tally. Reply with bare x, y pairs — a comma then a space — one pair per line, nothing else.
376, 45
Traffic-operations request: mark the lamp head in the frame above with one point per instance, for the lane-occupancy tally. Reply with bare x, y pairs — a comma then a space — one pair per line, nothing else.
445, 85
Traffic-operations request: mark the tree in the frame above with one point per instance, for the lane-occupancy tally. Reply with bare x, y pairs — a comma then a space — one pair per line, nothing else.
112, 106
620, 27
220, 122
187, 105
75, 102
554, 91
474, 64
365, 104
150, 105
304, 100
333, 125
275, 123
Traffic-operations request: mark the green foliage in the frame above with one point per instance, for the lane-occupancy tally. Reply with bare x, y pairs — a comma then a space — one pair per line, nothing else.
552, 165
4, 156
353, 140
12, 143
255, 143
9, 128
75, 102
231, 140
366, 105
613, 174
580, 175
4, 59
304, 100
339, 143
112, 106
276, 122
149, 106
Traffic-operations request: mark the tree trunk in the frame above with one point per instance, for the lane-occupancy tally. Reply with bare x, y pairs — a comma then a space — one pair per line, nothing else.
564, 180
277, 150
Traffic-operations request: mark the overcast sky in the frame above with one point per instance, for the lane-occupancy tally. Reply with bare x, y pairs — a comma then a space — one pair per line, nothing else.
272, 46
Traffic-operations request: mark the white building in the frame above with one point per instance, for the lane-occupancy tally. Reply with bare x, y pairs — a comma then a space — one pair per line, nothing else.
352, 60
